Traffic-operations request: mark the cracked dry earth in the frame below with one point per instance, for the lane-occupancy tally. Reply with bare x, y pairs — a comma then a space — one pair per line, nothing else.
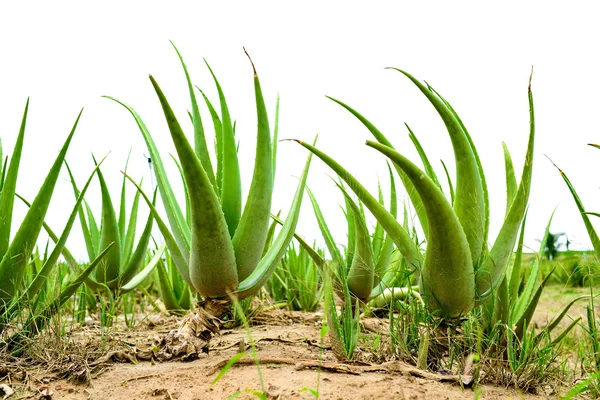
289, 349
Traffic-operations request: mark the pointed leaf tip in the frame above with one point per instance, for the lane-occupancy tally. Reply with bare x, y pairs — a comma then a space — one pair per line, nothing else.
251, 62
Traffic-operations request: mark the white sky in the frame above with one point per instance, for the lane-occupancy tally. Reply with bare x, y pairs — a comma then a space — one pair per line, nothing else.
66, 55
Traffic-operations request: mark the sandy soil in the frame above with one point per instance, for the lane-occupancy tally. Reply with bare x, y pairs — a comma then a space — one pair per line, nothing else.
288, 348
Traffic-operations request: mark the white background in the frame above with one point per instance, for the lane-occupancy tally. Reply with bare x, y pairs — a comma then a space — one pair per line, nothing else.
66, 55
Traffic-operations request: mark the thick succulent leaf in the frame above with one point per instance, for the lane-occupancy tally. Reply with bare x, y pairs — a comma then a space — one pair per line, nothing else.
50, 261
122, 208
267, 265
515, 272
450, 185
87, 236
167, 293
412, 193
7, 196
180, 256
486, 199
181, 231
316, 257
275, 137
335, 253
134, 263
511, 179
489, 274
251, 233
212, 266
231, 189
360, 275
399, 235
447, 283
111, 267
129, 238
383, 262
201, 149
36, 322
218, 127
378, 233
584, 215
469, 201
424, 159
14, 261
144, 273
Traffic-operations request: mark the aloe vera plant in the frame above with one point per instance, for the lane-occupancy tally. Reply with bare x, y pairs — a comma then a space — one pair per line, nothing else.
458, 269
16, 292
218, 248
122, 269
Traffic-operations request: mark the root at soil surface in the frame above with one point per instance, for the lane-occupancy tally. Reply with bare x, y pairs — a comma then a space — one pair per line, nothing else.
194, 334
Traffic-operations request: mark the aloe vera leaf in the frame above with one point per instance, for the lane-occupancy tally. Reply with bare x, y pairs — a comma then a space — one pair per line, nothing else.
424, 159
35, 323
50, 261
533, 279
180, 256
200, 147
111, 267
335, 253
486, 199
212, 266
87, 236
511, 180
14, 260
494, 266
65, 252
263, 271
361, 271
186, 190
93, 227
378, 233
145, 272
563, 313
469, 201
138, 255
251, 233
217, 125
388, 244
584, 215
351, 244
316, 257
179, 227
275, 136
447, 281
129, 238
231, 190
399, 235
515, 272
410, 190
167, 293
522, 322
122, 209
450, 185
7, 196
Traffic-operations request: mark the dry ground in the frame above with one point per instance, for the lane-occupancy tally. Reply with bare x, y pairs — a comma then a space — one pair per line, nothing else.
289, 349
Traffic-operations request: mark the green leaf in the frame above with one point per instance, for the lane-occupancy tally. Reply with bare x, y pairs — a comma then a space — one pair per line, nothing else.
14, 261
252, 284
251, 233
447, 255
7, 196
231, 190
212, 266
511, 180
201, 149
398, 234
